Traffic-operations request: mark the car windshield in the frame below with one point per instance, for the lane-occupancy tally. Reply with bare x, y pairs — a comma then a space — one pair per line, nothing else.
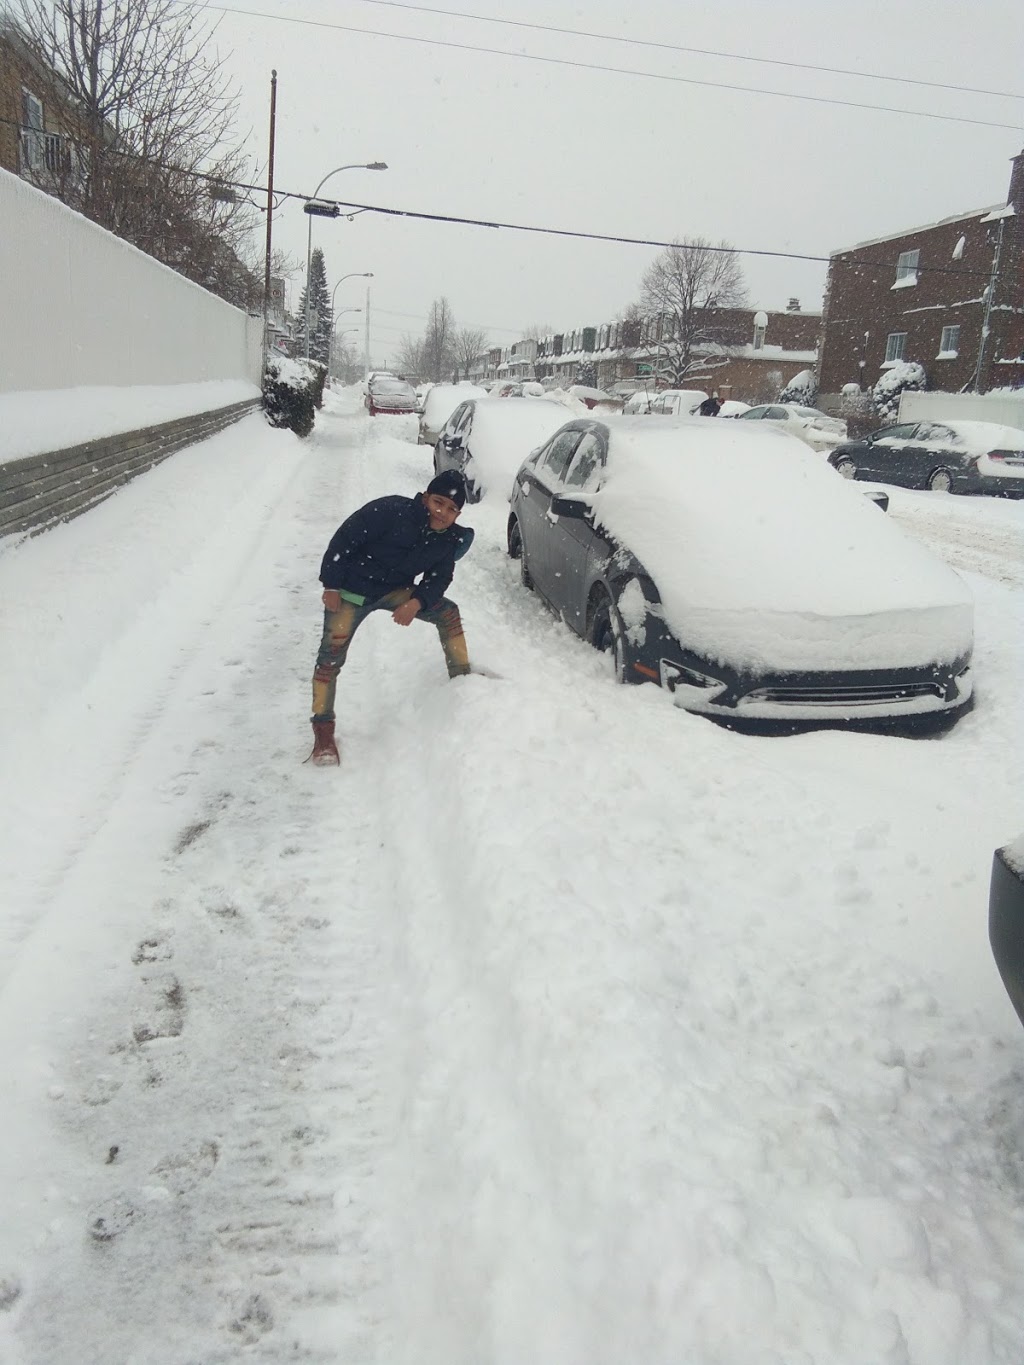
396, 386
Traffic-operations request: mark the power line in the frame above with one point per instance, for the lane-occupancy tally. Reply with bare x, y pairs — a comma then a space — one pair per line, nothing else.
527, 227
688, 51
615, 70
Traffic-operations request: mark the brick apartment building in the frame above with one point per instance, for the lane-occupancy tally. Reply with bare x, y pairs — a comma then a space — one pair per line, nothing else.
41, 126
924, 295
766, 351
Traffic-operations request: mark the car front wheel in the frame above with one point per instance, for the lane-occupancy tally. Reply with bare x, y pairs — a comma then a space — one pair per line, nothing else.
516, 551
846, 467
940, 480
608, 635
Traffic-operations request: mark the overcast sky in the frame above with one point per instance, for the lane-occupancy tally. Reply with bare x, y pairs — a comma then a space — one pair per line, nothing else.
502, 138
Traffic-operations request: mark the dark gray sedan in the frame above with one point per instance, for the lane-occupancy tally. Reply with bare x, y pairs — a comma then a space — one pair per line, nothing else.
728, 565
946, 457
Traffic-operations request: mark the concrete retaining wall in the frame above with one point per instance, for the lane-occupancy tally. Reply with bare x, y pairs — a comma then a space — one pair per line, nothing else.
41, 490
80, 307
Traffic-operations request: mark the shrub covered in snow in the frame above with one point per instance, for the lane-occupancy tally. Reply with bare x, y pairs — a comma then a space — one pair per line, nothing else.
858, 411
586, 374
904, 376
290, 391
802, 389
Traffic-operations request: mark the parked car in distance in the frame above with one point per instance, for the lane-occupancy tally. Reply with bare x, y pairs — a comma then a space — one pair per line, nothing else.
438, 406
1006, 919
487, 439
678, 402
732, 407
639, 403
386, 393
814, 428
946, 457
727, 564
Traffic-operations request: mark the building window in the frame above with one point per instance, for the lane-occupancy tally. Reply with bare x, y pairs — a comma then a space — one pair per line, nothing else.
895, 346
32, 144
949, 345
906, 269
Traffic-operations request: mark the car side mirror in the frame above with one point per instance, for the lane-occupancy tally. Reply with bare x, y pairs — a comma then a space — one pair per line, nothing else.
451, 442
573, 507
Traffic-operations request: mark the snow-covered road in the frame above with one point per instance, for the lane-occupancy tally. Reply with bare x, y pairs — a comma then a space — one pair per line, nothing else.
558, 1027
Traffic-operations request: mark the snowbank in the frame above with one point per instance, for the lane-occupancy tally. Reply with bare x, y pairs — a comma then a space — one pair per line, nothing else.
36, 421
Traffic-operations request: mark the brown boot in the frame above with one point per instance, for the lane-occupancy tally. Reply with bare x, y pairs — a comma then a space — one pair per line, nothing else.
325, 751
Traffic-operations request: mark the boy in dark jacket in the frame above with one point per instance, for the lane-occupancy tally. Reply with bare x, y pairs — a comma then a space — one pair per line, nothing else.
372, 564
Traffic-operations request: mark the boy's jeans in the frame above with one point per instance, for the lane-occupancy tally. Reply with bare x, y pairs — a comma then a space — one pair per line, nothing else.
340, 626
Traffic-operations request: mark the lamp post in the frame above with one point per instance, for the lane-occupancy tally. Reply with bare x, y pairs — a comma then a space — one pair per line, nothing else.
346, 331
352, 275
318, 209
334, 333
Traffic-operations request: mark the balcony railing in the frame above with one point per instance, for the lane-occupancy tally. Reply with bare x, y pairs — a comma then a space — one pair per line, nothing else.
45, 153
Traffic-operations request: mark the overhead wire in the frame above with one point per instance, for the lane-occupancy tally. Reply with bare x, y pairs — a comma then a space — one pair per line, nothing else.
624, 40
606, 69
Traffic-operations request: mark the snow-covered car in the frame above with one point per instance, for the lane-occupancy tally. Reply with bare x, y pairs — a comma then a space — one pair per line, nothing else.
386, 393
732, 407
593, 398
947, 457
1006, 919
730, 566
678, 402
488, 438
814, 428
440, 403
639, 403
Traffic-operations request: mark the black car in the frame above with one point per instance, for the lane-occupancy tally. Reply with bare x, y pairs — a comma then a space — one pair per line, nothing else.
485, 438
755, 660
1006, 920
946, 457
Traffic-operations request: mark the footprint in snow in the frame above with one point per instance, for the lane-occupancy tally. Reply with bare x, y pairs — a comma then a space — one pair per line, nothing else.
163, 1014
253, 1321
102, 1090
182, 1171
152, 950
10, 1292
111, 1218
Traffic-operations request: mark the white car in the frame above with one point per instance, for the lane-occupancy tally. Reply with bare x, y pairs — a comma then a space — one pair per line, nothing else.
439, 404
487, 439
678, 402
814, 428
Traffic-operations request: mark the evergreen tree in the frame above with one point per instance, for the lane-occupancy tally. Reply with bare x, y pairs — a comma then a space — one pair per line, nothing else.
321, 316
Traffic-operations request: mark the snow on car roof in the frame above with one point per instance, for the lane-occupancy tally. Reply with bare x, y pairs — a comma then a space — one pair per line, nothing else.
981, 437
503, 434
760, 551
443, 399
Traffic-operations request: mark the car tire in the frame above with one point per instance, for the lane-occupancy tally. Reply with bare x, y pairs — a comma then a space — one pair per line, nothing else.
608, 634
940, 480
516, 550
846, 467
473, 490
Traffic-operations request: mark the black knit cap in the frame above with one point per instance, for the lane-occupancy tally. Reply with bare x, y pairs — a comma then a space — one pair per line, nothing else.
451, 484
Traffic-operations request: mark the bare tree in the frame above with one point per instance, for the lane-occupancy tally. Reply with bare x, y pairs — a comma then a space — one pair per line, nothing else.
537, 330
438, 353
686, 294
410, 357
467, 344
157, 113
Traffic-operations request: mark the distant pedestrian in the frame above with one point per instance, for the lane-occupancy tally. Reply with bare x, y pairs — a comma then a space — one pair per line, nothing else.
372, 564
711, 407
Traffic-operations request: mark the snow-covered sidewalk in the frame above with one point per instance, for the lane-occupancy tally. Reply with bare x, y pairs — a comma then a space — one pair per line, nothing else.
559, 1026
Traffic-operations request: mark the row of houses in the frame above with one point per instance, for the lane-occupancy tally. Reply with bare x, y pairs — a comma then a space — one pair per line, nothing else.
948, 295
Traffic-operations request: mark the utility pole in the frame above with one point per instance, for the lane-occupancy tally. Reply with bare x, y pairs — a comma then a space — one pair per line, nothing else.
270, 219
993, 280
366, 337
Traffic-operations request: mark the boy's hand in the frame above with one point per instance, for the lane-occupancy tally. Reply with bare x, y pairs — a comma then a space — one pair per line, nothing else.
331, 599
406, 613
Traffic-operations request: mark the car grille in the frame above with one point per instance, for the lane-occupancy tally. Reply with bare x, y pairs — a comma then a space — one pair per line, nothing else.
839, 694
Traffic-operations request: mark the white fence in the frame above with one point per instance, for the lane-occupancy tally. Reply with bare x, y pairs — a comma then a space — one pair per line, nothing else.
1006, 409
80, 307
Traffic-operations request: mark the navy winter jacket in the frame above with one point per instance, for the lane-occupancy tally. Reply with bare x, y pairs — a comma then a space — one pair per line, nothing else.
388, 544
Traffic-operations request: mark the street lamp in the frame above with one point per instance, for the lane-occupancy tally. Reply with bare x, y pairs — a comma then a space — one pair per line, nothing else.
352, 275
318, 209
334, 333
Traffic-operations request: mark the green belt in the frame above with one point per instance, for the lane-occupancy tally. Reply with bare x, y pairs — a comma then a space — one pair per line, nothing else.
352, 597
